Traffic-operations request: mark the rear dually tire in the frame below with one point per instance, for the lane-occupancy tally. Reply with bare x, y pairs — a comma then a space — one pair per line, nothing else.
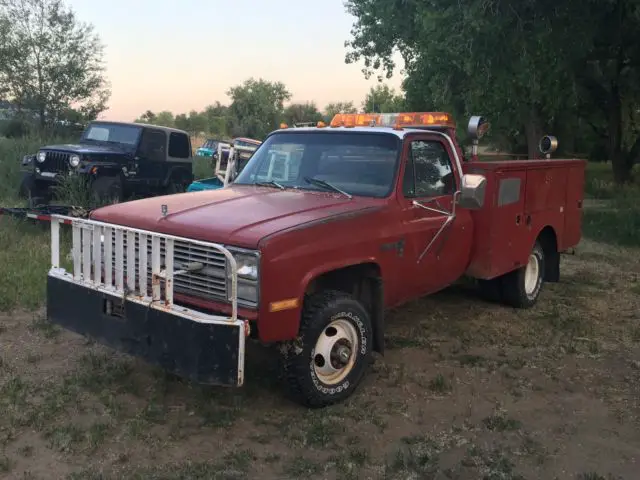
521, 288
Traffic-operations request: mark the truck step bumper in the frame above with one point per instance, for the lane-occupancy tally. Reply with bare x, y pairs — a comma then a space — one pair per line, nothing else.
203, 349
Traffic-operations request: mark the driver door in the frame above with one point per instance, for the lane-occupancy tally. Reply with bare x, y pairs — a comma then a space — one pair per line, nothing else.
438, 238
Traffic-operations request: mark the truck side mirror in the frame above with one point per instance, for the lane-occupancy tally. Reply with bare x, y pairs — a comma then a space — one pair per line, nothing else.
472, 192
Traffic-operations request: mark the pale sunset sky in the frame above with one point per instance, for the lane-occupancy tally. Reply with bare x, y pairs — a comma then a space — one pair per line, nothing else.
183, 55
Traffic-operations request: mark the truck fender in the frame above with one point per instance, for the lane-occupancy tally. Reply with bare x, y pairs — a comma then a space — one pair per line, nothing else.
376, 284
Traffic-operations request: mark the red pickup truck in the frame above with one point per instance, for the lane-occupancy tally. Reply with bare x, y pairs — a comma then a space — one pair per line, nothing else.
324, 229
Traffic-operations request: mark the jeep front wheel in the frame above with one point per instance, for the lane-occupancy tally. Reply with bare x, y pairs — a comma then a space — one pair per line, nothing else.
107, 190
336, 336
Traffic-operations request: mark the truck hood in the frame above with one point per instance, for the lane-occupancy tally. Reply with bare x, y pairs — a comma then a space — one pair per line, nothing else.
237, 215
86, 149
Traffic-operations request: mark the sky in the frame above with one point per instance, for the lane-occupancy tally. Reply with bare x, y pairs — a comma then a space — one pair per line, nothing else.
184, 55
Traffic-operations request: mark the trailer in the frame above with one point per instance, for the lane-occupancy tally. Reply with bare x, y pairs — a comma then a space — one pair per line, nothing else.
238, 154
44, 213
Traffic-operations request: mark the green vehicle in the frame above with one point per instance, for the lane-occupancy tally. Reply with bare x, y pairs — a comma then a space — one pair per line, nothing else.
208, 148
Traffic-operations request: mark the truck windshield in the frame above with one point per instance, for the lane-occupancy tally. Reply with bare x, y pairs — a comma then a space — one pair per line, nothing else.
355, 162
112, 133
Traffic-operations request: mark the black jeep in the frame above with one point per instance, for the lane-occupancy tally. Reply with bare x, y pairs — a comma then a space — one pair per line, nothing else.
118, 159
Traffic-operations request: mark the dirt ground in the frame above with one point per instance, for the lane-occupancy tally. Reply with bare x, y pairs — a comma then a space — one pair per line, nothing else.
466, 390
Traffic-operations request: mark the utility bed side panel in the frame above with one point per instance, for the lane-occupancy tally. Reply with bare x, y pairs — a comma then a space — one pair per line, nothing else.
522, 198
574, 205
499, 227
480, 257
546, 189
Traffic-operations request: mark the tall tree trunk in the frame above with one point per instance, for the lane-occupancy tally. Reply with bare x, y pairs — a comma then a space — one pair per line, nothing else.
619, 159
42, 118
532, 132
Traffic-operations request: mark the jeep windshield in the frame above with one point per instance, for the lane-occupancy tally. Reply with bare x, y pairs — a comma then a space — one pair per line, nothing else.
356, 163
109, 133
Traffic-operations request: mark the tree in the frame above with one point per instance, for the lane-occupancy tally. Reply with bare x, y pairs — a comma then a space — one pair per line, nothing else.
608, 76
165, 119
302, 112
50, 62
383, 99
338, 107
216, 117
531, 66
257, 107
146, 117
500, 58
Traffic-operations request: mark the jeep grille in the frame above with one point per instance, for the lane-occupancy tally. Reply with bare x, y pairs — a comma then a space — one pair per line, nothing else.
55, 161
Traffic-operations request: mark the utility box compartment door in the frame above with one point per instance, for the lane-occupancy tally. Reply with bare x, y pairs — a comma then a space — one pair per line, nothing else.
574, 206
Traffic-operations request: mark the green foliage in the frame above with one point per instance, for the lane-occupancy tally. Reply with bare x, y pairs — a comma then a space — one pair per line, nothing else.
383, 99
257, 107
301, 112
532, 67
15, 128
211, 121
50, 61
338, 107
11, 153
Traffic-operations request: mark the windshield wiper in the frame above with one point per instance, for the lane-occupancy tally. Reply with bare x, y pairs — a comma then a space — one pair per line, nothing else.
326, 185
270, 183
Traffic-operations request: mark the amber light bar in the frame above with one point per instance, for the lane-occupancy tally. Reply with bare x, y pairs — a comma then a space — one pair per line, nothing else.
394, 120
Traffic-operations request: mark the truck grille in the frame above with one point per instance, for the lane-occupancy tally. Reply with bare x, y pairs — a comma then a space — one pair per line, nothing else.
208, 283
55, 162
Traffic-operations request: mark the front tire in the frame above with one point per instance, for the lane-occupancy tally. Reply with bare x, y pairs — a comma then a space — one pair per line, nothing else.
30, 191
327, 363
521, 288
107, 190
176, 186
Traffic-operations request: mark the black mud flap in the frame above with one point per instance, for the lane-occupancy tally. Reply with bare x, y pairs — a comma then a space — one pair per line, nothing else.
211, 354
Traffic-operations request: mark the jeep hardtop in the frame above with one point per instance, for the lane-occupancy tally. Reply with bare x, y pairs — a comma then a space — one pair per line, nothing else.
324, 229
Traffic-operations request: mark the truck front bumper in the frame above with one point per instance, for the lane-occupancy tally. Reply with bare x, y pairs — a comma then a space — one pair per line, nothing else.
199, 347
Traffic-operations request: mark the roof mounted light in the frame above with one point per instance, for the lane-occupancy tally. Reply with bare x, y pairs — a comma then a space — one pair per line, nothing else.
394, 120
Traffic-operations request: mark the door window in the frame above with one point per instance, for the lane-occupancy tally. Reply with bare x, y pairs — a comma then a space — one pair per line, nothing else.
429, 172
179, 145
153, 145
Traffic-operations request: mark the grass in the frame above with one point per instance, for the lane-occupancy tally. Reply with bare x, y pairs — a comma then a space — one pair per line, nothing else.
616, 218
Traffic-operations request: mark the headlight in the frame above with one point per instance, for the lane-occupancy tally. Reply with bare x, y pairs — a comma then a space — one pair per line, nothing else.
42, 156
247, 266
74, 160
